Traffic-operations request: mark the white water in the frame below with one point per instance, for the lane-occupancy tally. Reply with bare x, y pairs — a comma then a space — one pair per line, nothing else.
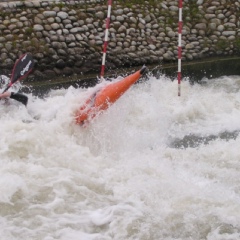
121, 177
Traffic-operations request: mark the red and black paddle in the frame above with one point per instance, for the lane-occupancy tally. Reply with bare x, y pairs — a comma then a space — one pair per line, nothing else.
21, 69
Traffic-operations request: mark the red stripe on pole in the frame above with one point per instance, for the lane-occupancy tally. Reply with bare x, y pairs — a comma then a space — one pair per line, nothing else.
106, 38
180, 4
180, 27
105, 47
179, 77
108, 22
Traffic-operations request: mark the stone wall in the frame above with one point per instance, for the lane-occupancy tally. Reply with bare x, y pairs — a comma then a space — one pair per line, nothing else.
66, 37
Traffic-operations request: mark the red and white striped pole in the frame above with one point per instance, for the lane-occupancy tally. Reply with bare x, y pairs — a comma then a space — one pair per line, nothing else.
180, 24
106, 38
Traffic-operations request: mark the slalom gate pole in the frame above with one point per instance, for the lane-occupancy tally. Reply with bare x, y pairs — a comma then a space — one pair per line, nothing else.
106, 38
180, 24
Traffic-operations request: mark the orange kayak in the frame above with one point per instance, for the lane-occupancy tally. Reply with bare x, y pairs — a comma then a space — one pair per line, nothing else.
105, 97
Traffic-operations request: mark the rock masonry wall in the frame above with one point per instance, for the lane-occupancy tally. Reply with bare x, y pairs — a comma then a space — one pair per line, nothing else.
66, 37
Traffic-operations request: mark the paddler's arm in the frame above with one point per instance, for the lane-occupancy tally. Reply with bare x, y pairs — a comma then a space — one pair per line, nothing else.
16, 96
5, 95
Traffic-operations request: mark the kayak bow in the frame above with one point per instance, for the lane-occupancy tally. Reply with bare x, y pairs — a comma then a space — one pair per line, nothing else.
105, 97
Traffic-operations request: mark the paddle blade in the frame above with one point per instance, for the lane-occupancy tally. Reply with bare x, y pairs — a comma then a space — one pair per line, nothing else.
21, 69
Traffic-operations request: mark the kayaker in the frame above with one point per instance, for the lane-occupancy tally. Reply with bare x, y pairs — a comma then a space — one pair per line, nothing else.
21, 69
4, 80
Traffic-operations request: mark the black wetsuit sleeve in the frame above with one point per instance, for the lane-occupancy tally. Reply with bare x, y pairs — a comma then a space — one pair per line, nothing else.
19, 97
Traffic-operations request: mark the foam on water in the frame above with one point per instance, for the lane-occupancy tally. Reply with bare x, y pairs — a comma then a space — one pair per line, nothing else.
122, 177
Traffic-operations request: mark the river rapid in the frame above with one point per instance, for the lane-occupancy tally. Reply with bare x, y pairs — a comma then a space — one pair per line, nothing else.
153, 166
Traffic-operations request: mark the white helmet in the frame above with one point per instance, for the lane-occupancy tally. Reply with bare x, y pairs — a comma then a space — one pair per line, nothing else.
5, 80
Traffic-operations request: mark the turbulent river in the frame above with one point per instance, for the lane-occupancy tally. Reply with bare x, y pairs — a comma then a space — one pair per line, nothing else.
154, 166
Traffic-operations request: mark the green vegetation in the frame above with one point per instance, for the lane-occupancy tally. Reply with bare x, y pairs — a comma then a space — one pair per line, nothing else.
222, 44
59, 4
237, 44
28, 31
3, 14
192, 12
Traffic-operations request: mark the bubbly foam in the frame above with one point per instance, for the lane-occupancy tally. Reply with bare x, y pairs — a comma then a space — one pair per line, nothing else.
122, 176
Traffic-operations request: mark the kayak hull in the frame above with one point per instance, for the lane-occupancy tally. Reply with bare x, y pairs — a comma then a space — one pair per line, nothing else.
105, 97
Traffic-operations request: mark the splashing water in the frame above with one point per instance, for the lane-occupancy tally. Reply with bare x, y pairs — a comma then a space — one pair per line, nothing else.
153, 166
